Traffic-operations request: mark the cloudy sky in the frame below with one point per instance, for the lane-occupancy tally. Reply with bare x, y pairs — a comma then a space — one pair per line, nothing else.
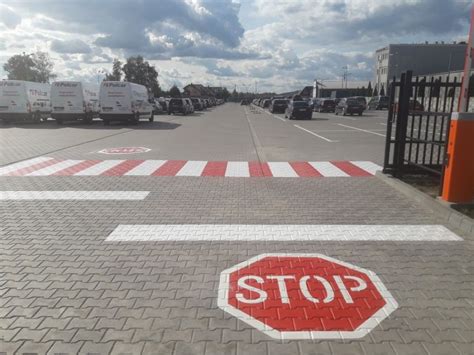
276, 45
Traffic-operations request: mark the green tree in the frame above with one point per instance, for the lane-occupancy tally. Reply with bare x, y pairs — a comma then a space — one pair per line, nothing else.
116, 74
36, 67
174, 91
139, 71
375, 91
225, 94
382, 91
369, 89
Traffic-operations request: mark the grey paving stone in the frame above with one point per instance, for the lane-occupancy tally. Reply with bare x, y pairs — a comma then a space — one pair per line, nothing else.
64, 348
183, 348
123, 348
96, 348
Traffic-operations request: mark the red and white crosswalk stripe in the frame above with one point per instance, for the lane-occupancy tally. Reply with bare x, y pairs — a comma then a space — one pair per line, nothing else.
44, 166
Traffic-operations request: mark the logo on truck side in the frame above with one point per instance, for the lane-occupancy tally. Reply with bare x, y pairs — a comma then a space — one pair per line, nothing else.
114, 85
66, 85
9, 83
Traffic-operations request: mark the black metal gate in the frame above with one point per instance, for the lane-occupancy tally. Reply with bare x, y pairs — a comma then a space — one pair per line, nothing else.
418, 124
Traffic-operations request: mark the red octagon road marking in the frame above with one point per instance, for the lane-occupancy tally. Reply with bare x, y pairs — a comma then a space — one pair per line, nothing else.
305, 296
124, 150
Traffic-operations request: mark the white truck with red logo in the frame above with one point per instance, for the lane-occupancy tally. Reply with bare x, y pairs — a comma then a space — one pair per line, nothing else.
24, 101
124, 101
73, 100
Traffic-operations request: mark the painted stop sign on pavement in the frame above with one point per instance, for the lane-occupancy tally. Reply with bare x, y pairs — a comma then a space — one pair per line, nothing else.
305, 296
125, 150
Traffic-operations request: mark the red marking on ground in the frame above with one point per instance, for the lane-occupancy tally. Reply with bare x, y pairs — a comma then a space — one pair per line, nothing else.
304, 169
122, 168
266, 170
77, 168
255, 169
170, 168
34, 167
350, 168
215, 168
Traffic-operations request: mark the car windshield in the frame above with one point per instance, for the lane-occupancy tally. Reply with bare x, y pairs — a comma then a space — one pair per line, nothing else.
352, 102
300, 104
176, 102
279, 102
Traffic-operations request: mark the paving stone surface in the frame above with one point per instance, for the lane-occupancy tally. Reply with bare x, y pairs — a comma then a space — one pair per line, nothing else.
65, 289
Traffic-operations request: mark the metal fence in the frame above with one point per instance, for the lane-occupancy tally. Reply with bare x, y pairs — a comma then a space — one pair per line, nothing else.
418, 124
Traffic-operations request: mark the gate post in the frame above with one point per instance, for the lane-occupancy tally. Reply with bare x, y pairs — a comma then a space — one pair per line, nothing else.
458, 184
402, 120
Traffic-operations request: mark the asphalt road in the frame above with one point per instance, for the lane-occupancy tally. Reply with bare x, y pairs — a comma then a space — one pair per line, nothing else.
123, 253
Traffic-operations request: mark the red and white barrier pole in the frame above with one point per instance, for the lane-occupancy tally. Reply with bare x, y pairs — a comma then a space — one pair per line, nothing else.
458, 185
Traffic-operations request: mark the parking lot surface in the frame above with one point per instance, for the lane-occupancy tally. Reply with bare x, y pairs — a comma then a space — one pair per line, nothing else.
123, 253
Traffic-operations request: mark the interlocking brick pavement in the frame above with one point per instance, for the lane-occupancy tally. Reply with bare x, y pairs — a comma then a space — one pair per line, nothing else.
64, 288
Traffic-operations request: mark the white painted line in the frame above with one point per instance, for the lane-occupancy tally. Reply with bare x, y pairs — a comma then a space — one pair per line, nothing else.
383, 124
99, 168
73, 195
275, 232
50, 170
367, 166
314, 134
192, 168
327, 169
237, 169
23, 164
146, 168
362, 130
280, 169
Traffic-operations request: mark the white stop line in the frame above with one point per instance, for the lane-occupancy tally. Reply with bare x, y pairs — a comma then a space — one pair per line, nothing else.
73, 195
279, 232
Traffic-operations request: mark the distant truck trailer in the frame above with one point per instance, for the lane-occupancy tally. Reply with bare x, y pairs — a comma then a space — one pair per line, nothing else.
24, 101
73, 100
123, 101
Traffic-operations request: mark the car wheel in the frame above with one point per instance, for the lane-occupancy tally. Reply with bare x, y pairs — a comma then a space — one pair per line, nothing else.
59, 121
344, 112
152, 118
360, 113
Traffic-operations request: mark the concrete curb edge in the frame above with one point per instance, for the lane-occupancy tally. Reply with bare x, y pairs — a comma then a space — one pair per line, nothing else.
450, 216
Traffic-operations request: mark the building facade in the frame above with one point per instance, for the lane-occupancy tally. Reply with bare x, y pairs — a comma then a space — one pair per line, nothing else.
422, 59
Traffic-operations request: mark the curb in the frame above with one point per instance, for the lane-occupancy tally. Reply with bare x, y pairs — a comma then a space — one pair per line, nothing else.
442, 209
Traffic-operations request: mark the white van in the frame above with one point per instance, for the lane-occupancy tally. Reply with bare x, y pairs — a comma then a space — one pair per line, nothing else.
123, 101
73, 100
24, 101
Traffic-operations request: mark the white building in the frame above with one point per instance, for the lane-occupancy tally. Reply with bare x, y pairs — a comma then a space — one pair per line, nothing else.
422, 59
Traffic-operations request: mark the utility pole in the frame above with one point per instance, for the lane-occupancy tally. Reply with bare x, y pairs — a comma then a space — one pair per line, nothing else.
345, 75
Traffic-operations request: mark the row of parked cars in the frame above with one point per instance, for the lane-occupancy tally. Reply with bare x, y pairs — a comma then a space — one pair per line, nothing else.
298, 107
72, 100
187, 105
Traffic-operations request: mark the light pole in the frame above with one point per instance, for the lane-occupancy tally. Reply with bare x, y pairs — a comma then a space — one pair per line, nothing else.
99, 72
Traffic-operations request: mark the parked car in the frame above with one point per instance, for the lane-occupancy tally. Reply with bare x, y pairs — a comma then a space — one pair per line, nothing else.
196, 103
378, 103
189, 104
361, 100
298, 110
178, 105
278, 105
24, 101
324, 105
413, 105
124, 101
266, 103
349, 106
244, 102
73, 100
